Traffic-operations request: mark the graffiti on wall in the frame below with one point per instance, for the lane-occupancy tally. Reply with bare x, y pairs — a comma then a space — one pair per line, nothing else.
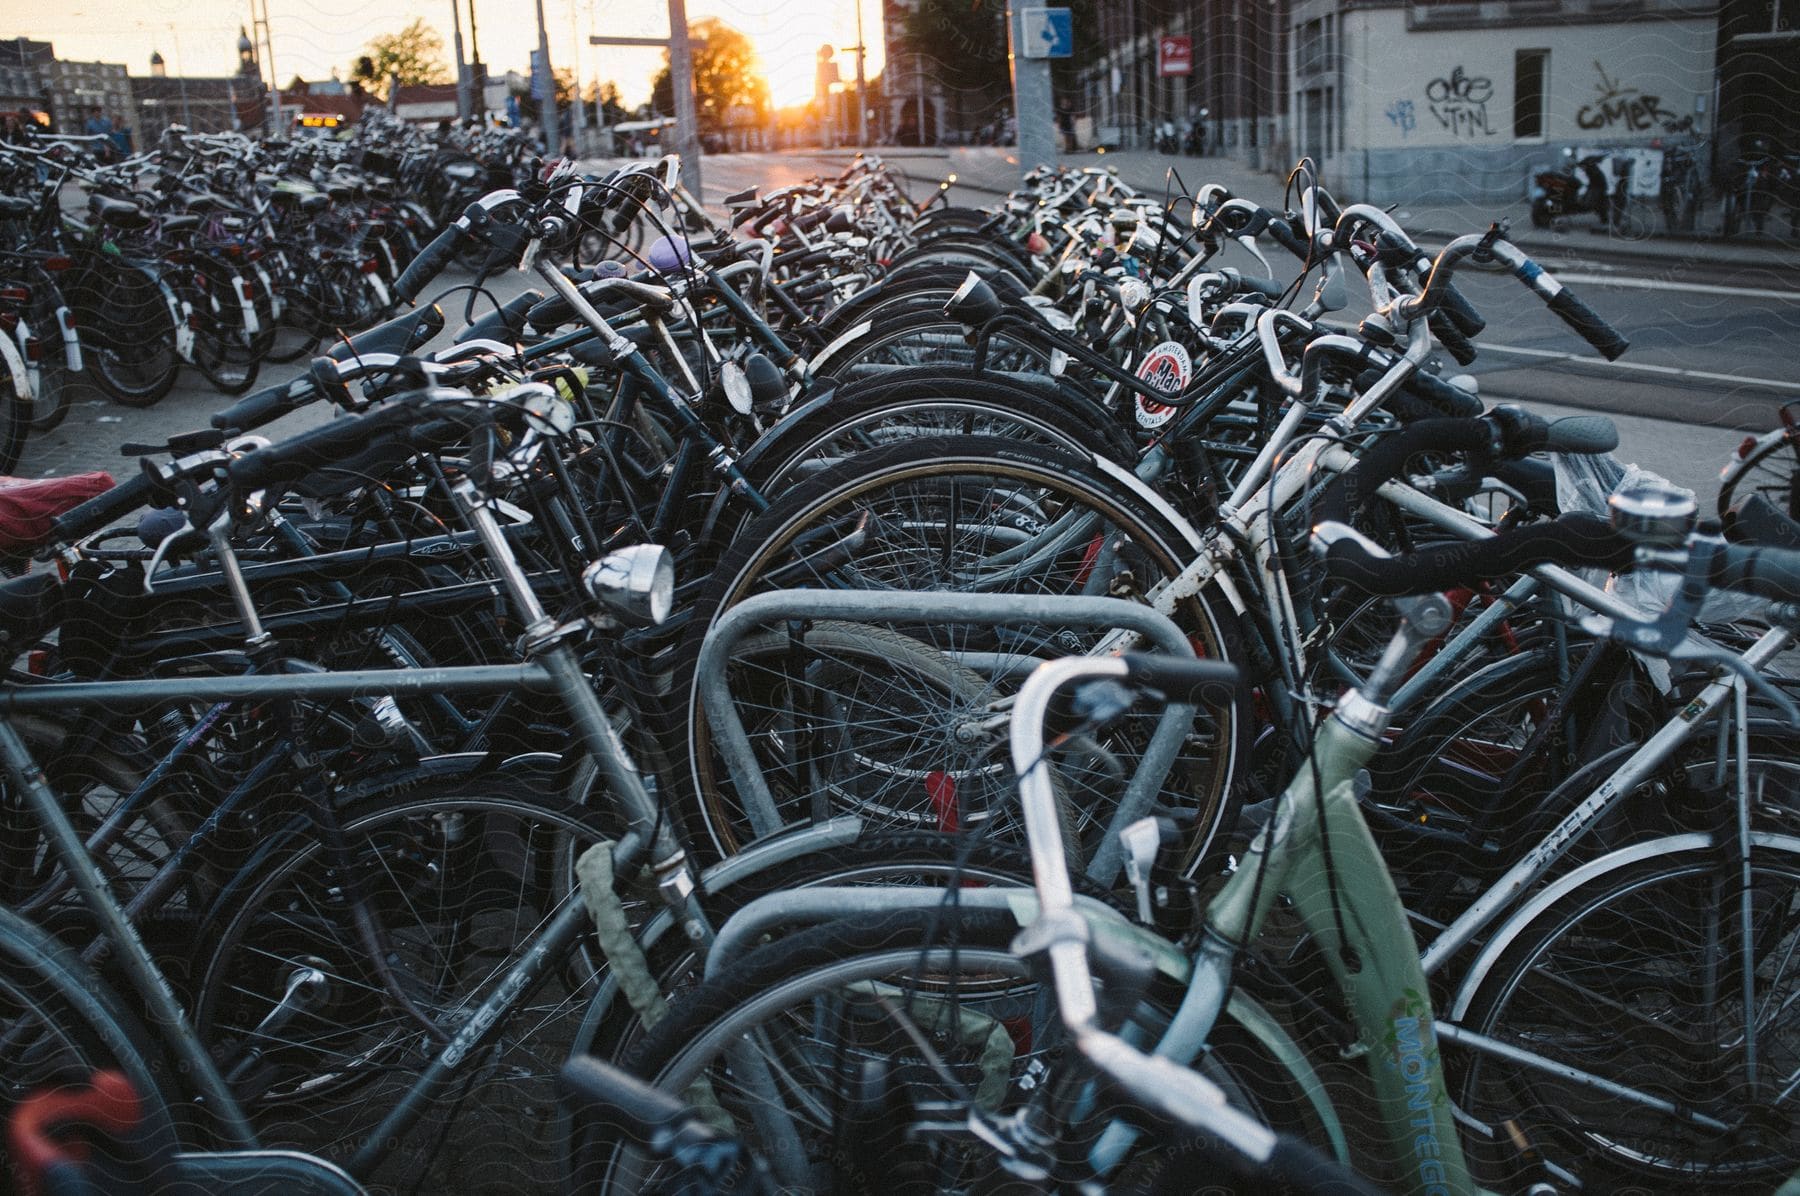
1460, 103
1402, 116
1624, 109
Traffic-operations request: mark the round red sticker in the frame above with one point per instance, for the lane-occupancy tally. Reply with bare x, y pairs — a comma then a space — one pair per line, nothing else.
1167, 368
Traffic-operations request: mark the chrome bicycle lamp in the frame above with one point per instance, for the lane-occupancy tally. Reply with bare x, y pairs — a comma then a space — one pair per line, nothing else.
1653, 513
636, 585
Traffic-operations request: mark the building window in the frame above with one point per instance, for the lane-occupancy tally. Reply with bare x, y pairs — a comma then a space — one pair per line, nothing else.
1531, 75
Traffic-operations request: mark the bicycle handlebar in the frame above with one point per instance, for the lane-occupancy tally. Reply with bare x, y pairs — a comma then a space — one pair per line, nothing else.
1574, 539
100, 510
439, 252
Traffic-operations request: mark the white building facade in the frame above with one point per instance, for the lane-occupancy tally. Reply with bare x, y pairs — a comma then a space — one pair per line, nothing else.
1427, 100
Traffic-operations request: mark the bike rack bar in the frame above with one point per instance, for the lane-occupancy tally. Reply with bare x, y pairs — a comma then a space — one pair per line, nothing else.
891, 605
360, 683
744, 929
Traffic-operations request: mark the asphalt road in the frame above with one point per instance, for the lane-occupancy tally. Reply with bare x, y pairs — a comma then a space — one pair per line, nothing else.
1714, 337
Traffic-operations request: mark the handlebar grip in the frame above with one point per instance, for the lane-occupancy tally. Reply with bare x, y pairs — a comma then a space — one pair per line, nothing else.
1451, 401
1457, 308
1573, 539
1593, 329
1288, 239
1293, 1166
810, 221
1268, 288
1582, 434
622, 1102
315, 448
1184, 678
101, 510
1765, 571
439, 252
1451, 338
253, 411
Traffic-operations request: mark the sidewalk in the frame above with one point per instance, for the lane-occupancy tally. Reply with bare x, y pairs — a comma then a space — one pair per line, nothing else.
990, 171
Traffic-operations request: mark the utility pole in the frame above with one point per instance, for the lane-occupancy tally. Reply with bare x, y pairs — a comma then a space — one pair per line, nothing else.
477, 73
862, 83
681, 80
681, 83
187, 114
1033, 105
546, 87
462, 67
261, 25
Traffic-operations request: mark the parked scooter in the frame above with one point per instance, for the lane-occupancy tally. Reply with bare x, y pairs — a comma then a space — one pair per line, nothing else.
1583, 186
1167, 140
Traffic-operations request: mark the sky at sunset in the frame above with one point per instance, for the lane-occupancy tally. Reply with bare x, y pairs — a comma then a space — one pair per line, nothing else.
199, 37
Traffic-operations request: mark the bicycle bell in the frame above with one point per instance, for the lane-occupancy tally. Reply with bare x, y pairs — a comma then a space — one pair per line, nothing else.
1653, 512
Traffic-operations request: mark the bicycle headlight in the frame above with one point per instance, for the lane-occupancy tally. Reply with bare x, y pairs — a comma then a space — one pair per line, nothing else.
636, 584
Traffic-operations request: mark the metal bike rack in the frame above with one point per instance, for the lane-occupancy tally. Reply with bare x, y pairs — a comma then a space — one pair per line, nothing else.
744, 930
991, 609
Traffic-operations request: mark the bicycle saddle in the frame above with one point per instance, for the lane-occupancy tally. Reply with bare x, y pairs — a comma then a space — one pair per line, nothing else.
27, 506
117, 212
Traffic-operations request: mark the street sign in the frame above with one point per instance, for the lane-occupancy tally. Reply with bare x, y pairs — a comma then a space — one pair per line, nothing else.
543, 86
1174, 56
1047, 32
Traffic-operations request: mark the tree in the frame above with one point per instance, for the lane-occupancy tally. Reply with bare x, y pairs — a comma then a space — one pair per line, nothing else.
415, 55
607, 96
726, 74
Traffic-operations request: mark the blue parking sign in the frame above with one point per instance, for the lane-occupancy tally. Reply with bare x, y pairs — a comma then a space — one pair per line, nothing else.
1047, 32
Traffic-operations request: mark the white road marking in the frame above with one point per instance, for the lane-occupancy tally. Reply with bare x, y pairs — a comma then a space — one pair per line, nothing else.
1658, 284
1644, 368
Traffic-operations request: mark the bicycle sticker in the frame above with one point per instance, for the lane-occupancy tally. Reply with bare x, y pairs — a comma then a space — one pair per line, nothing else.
1167, 367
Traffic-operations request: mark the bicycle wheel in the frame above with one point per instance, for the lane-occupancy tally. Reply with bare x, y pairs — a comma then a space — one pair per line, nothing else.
222, 356
15, 427
1635, 974
460, 875
128, 332
926, 338
51, 402
808, 1051
59, 1023
911, 405
1769, 472
966, 515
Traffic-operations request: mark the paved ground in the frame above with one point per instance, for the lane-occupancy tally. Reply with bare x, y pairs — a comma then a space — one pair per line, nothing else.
1713, 326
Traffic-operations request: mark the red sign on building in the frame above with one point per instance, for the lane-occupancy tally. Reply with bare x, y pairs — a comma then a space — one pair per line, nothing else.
1174, 56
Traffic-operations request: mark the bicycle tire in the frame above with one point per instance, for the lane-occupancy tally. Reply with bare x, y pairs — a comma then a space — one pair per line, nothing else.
131, 349
1142, 543
1565, 987
462, 873
230, 366
914, 403
1772, 471
59, 1023
50, 405
938, 964
913, 339
15, 428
